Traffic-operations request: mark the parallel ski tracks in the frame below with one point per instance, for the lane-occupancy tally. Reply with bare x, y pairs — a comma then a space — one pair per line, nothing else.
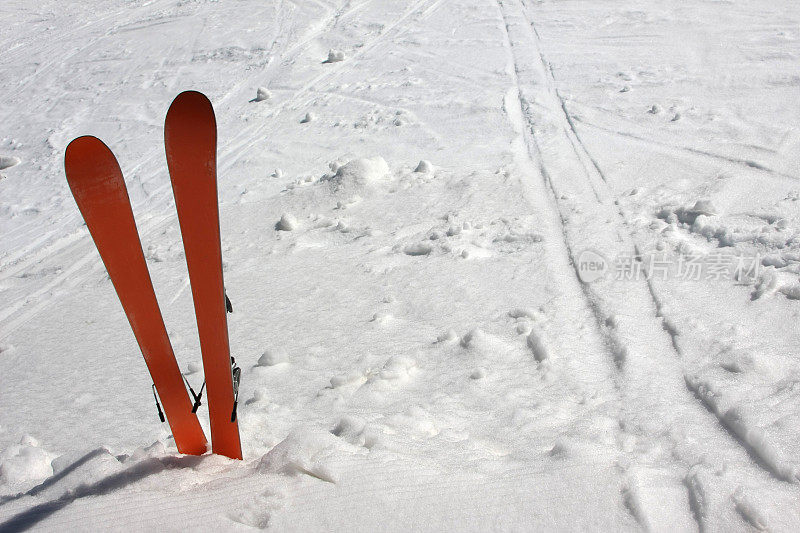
550, 134
624, 217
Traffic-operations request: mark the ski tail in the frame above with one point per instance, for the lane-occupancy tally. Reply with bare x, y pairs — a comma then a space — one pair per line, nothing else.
96, 182
190, 136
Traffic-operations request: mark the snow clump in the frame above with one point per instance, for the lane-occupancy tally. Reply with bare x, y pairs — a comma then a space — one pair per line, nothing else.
262, 94
424, 167
358, 173
272, 357
448, 336
25, 462
286, 223
334, 56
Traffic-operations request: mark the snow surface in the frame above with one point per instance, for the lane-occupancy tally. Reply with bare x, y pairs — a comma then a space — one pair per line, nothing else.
410, 194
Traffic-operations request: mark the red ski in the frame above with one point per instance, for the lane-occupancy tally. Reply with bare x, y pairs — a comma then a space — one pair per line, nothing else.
99, 189
190, 135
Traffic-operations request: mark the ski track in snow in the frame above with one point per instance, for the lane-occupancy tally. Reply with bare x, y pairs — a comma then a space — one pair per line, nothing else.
236, 147
602, 303
418, 349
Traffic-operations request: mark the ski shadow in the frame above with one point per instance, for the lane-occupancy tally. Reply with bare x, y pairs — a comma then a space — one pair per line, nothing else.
148, 467
52, 480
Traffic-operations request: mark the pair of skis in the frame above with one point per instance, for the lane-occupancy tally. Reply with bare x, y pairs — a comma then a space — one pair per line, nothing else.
96, 182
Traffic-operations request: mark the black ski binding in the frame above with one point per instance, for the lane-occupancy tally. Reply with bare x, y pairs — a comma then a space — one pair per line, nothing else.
236, 373
158, 405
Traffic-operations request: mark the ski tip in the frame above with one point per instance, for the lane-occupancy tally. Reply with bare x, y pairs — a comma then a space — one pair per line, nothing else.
190, 99
190, 116
87, 157
80, 144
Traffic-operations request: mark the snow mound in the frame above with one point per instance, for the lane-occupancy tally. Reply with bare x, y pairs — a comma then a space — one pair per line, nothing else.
473, 337
478, 373
7, 161
334, 56
357, 432
448, 336
25, 462
382, 318
286, 223
302, 452
308, 118
359, 174
425, 167
262, 94
272, 357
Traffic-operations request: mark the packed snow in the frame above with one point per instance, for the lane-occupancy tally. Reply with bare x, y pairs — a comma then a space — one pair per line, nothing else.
494, 264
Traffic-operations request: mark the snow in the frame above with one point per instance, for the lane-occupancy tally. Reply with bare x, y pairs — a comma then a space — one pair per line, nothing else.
262, 93
334, 56
7, 161
287, 223
272, 357
424, 167
25, 462
582, 317
357, 175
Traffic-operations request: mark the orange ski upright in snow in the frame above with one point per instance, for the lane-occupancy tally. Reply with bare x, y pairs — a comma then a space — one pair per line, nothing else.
190, 135
99, 189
